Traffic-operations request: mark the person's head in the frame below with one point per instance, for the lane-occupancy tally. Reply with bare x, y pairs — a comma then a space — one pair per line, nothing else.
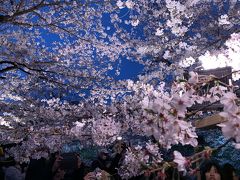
211, 171
103, 154
229, 173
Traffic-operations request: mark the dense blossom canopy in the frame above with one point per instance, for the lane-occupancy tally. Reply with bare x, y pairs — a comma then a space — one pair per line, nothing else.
52, 50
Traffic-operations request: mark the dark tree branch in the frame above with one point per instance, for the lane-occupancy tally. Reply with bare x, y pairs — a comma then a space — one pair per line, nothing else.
8, 69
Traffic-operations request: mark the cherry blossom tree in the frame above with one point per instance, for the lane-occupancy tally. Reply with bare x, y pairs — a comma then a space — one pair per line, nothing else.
89, 38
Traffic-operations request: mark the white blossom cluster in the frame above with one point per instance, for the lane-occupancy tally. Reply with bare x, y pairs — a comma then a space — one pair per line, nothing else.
92, 38
224, 20
231, 128
180, 160
77, 130
137, 157
153, 150
176, 10
163, 116
132, 164
129, 4
105, 131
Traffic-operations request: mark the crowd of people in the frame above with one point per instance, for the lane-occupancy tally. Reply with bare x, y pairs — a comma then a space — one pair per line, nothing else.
63, 166
69, 166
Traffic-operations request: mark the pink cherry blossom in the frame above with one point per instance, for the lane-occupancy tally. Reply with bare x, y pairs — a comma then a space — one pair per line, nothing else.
180, 161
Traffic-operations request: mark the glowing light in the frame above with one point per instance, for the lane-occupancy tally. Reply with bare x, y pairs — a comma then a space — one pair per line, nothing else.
119, 138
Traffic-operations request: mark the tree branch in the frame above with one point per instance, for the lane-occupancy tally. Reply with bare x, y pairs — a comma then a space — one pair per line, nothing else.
8, 69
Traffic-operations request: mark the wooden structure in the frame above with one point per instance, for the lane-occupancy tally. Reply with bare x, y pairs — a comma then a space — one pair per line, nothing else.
209, 121
224, 74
